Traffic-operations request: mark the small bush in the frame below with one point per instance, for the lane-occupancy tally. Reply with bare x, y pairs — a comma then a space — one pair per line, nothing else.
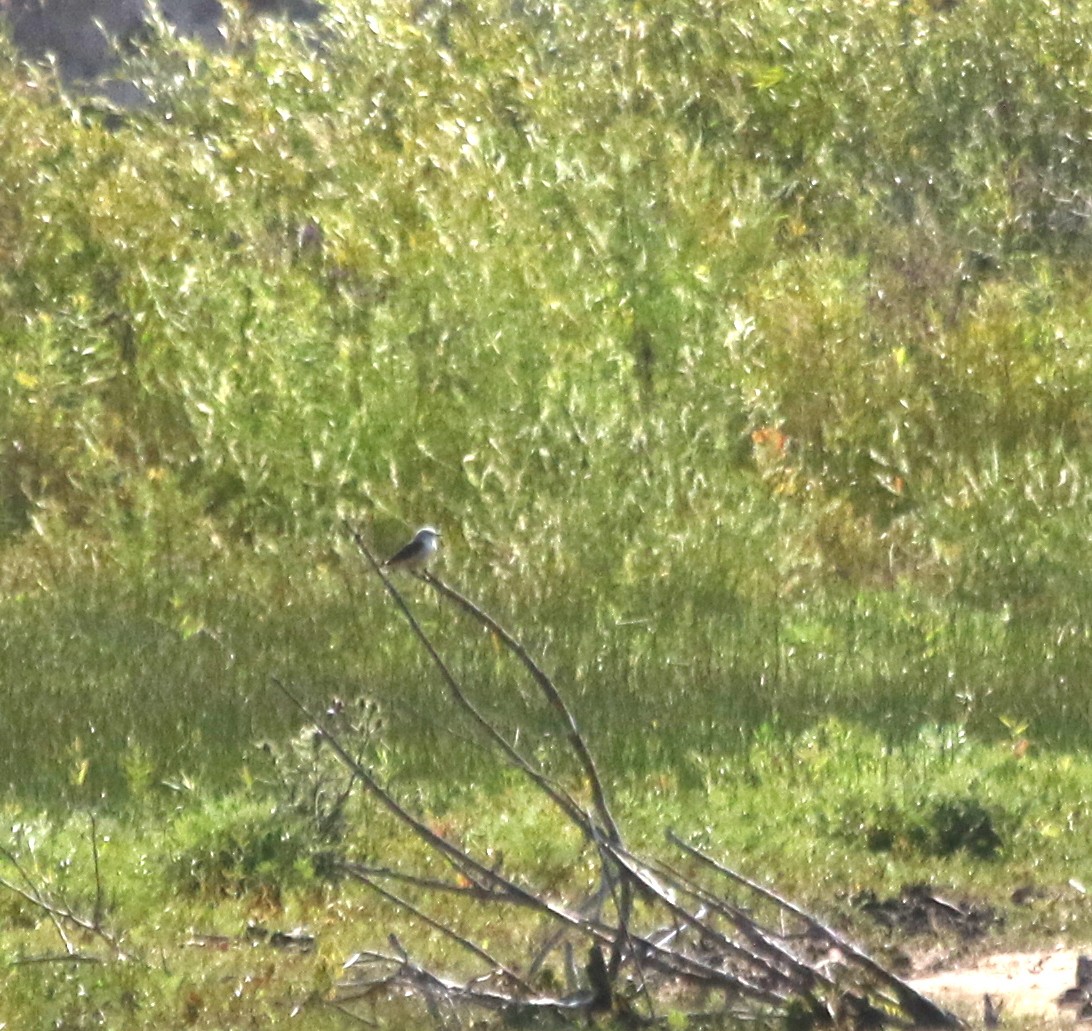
235, 848
940, 826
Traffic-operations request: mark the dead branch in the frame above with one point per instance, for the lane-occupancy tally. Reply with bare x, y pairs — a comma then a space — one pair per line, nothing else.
477, 872
362, 872
918, 1007
623, 899
437, 925
670, 931
606, 826
31, 896
67, 957
60, 913
553, 696
559, 796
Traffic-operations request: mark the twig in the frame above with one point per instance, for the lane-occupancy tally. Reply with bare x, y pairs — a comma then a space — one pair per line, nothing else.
58, 913
31, 896
622, 894
448, 932
623, 900
346, 1012
649, 887
97, 917
68, 957
360, 871
756, 936
406, 973
593, 904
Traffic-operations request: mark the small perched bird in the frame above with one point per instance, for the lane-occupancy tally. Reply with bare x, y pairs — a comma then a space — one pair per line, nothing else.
416, 554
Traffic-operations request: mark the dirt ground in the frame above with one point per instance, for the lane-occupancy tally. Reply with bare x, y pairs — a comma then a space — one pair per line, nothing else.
1027, 986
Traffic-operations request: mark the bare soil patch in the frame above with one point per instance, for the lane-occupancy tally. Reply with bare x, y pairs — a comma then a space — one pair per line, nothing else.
1026, 985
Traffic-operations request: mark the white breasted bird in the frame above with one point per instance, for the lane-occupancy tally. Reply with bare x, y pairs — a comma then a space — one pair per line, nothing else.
416, 554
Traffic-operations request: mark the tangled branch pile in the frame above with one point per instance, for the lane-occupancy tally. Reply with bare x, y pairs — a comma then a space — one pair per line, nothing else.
690, 935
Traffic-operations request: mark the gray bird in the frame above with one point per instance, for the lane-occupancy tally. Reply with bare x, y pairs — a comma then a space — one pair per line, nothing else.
416, 554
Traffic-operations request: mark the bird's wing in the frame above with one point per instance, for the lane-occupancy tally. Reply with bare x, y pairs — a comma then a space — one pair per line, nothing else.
402, 554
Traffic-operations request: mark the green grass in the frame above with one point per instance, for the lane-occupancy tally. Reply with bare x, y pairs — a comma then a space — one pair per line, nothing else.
834, 818
740, 353
184, 680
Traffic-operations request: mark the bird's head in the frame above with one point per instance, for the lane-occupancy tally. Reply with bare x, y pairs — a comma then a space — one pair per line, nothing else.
427, 533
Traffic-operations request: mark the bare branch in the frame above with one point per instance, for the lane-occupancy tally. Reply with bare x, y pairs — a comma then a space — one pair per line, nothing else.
553, 696
623, 899
98, 912
915, 1004
68, 957
59, 914
770, 954
558, 795
592, 830
444, 929
361, 871
31, 896
473, 869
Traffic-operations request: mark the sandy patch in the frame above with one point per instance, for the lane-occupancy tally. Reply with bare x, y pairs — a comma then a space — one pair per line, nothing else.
1028, 984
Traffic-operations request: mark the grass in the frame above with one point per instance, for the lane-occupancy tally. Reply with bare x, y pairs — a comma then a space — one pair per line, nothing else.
184, 681
741, 356
834, 820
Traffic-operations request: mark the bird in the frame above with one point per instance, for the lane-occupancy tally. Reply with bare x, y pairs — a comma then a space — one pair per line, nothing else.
415, 555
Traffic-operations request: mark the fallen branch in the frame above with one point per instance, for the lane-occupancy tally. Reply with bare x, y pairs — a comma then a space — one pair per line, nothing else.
917, 1005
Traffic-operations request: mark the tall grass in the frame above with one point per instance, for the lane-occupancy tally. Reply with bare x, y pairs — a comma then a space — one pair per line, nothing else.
740, 353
